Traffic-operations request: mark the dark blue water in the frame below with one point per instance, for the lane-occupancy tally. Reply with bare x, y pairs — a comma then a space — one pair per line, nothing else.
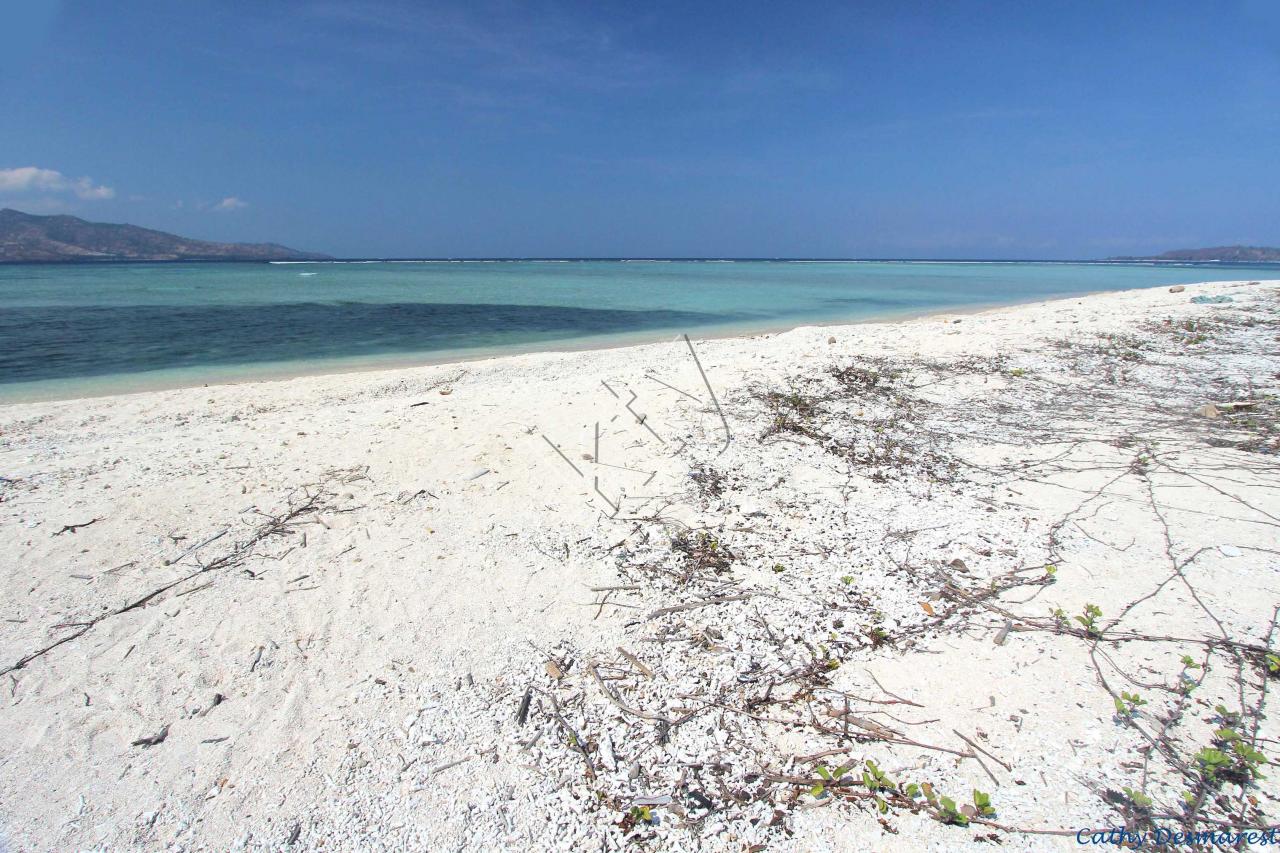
51, 343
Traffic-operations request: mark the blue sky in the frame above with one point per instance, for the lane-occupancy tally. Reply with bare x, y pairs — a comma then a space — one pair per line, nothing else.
896, 129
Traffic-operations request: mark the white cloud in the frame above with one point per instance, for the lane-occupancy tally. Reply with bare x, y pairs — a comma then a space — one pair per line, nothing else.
29, 179
230, 203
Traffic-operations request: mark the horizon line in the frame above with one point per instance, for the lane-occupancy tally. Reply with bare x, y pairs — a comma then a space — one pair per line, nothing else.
1114, 261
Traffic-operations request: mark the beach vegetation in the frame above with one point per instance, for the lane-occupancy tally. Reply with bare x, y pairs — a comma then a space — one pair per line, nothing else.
1127, 705
950, 814
828, 776
637, 816
1137, 799
1089, 619
875, 779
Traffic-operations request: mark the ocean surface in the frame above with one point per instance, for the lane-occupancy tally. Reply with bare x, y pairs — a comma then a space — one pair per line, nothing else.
82, 329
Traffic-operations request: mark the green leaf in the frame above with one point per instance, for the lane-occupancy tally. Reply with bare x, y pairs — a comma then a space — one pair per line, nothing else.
1212, 760
1138, 798
1248, 753
951, 814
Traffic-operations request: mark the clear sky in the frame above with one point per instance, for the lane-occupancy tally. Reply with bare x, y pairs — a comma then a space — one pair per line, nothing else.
895, 129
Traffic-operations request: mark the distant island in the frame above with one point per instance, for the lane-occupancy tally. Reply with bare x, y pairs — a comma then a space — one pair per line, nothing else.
1226, 254
25, 238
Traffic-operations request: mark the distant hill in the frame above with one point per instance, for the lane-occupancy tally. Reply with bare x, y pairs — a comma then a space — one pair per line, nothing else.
28, 238
1226, 254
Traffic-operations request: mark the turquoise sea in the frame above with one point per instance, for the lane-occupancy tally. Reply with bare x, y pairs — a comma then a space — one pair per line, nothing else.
80, 329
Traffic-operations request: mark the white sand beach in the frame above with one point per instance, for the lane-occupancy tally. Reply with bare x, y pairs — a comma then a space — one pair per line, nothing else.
584, 600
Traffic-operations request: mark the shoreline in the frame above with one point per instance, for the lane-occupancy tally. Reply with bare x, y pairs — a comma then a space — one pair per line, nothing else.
123, 384
338, 610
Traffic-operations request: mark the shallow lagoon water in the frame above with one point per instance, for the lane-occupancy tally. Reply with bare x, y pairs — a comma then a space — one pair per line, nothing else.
74, 330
